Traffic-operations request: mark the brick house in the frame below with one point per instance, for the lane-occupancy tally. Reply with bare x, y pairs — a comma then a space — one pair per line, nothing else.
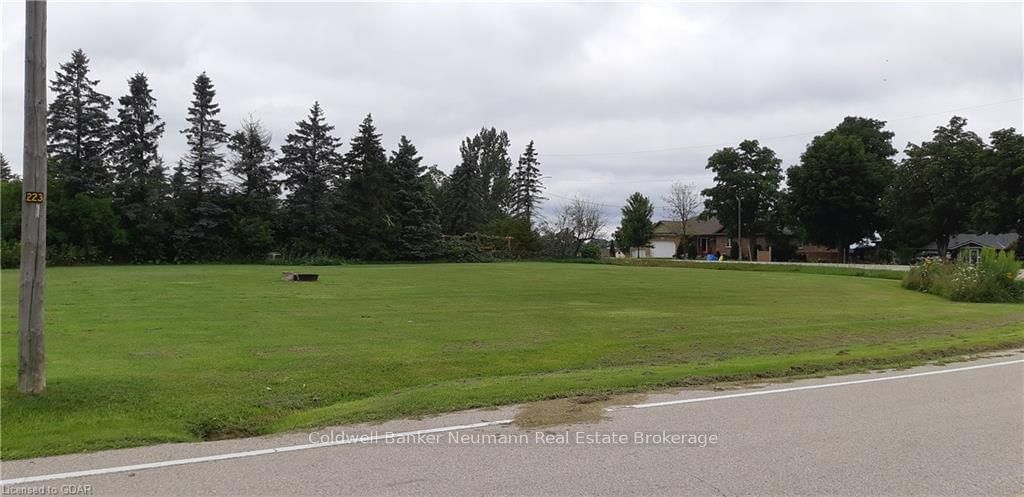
707, 235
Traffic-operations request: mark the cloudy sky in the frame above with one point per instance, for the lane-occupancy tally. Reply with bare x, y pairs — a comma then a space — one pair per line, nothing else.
618, 97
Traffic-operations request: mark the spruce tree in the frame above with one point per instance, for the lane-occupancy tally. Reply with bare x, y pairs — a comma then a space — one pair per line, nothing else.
464, 201
418, 217
204, 234
371, 218
140, 185
527, 185
637, 228
5, 170
255, 201
79, 130
253, 162
311, 164
205, 134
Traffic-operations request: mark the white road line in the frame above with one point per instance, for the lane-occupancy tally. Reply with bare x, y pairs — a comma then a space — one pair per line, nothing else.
812, 387
251, 453
388, 436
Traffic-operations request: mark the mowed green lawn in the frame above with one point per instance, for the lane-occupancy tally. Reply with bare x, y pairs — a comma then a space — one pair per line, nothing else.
146, 354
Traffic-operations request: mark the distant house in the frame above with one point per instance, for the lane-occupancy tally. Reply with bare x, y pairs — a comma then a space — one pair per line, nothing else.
971, 244
707, 235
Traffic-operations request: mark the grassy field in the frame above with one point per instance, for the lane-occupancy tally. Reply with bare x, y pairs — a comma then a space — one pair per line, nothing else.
147, 354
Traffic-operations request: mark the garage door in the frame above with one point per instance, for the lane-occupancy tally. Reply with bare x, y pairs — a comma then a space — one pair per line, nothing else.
663, 249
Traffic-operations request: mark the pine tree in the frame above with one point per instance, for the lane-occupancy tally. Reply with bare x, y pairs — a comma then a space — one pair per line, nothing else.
464, 205
527, 185
136, 137
79, 129
253, 161
140, 185
370, 213
311, 164
204, 233
5, 170
203, 162
637, 229
418, 217
255, 202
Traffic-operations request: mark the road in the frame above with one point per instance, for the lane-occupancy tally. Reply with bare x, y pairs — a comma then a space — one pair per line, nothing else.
955, 433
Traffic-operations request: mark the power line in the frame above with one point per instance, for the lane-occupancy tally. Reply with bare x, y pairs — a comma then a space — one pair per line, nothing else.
777, 137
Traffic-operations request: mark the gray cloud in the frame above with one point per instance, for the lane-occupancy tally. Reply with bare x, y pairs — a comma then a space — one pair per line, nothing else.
576, 78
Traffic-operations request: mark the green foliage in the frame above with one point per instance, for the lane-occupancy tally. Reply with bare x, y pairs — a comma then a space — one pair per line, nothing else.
836, 191
473, 247
992, 279
10, 254
527, 185
750, 173
79, 130
522, 239
999, 184
637, 228
418, 217
81, 228
464, 205
311, 165
931, 197
10, 210
255, 202
371, 218
140, 187
203, 163
590, 251
5, 170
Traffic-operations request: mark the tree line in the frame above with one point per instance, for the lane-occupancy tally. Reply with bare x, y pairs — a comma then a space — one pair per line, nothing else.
234, 196
848, 188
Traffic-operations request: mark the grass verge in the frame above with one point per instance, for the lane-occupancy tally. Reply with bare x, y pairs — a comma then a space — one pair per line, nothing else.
146, 354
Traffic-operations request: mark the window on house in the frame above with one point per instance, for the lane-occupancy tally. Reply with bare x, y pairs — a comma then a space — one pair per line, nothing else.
728, 243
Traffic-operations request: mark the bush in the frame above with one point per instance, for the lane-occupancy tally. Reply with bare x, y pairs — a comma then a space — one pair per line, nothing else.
903, 255
10, 254
992, 279
590, 251
474, 247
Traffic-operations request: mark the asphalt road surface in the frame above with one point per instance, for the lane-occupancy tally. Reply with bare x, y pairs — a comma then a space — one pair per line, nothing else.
956, 433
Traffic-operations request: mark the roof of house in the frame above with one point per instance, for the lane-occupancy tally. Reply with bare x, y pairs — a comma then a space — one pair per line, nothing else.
694, 227
999, 241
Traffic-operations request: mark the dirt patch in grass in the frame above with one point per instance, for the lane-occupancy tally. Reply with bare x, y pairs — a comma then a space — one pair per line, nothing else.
576, 410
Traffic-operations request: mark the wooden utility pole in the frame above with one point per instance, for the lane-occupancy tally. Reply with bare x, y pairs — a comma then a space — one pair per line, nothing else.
31, 352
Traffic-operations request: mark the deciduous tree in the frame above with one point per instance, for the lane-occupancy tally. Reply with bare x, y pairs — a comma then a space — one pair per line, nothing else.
999, 181
747, 176
931, 197
835, 193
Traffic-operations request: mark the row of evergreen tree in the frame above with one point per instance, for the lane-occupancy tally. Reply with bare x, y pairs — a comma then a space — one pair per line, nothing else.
234, 196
